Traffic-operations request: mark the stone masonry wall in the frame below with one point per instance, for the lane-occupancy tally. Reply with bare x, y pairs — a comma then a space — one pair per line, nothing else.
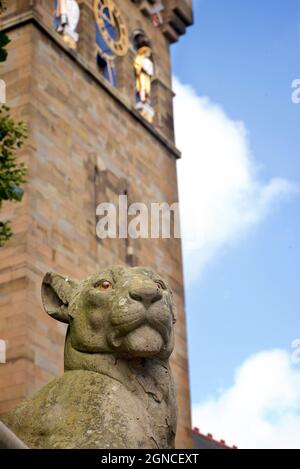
78, 130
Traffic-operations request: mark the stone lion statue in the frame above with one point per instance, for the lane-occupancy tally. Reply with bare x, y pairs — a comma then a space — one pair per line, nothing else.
117, 390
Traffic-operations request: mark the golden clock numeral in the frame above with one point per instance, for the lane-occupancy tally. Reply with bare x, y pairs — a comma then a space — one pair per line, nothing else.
115, 19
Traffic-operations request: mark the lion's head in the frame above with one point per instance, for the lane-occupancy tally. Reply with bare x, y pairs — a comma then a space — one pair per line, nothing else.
127, 312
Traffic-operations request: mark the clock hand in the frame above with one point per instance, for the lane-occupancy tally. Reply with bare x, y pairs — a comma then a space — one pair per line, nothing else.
111, 19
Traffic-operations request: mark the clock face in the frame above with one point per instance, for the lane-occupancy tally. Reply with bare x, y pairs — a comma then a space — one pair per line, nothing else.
111, 26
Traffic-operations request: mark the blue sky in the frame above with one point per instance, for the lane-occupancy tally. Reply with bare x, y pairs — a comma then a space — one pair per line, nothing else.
243, 56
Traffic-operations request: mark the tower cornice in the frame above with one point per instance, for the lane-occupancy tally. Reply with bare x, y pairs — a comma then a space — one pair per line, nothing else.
176, 15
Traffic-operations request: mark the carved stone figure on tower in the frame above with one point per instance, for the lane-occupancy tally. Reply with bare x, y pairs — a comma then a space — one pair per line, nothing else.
66, 19
144, 71
153, 9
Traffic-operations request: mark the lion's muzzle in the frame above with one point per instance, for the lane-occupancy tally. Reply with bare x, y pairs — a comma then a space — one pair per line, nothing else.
142, 324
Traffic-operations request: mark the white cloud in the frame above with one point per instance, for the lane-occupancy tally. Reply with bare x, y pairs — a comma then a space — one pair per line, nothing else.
220, 191
261, 409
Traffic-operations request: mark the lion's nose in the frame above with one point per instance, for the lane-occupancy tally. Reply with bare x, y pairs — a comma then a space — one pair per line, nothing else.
146, 294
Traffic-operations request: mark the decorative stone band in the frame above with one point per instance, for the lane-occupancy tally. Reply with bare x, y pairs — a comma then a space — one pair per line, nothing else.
8, 440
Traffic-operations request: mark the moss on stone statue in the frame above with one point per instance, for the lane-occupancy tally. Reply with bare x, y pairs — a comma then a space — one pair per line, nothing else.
117, 390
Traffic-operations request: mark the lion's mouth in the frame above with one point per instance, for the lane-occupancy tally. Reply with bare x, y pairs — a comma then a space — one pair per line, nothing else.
141, 328
141, 342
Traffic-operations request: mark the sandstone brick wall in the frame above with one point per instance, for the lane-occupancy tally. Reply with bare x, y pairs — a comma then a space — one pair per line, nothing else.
79, 130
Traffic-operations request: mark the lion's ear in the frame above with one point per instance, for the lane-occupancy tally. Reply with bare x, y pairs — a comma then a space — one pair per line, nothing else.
56, 295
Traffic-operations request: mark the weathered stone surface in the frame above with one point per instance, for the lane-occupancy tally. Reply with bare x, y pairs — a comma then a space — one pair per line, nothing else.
8, 439
79, 132
117, 390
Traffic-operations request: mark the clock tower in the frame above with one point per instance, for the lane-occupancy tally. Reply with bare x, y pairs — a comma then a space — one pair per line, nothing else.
92, 79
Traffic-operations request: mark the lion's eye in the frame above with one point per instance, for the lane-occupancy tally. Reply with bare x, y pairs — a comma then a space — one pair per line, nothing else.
161, 284
105, 285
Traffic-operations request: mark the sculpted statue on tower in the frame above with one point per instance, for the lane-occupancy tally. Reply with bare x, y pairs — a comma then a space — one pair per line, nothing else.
66, 19
144, 71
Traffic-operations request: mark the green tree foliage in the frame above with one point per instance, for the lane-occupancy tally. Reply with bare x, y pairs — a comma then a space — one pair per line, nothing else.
12, 174
3, 43
3, 37
12, 136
